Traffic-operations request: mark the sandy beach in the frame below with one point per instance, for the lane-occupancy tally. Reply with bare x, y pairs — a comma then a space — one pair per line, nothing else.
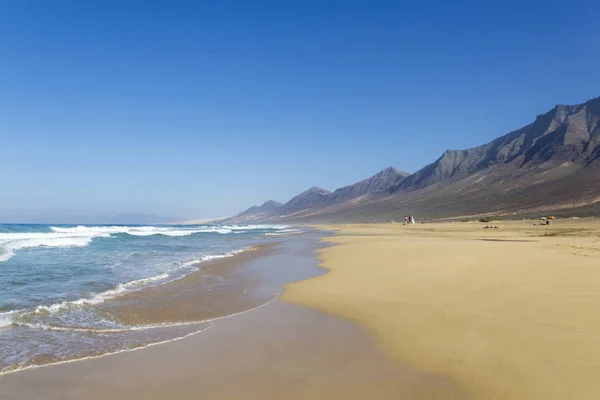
507, 313
281, 351
278, 350
427, 311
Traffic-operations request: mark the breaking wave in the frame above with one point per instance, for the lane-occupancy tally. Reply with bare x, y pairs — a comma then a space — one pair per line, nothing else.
8, 318
81, 236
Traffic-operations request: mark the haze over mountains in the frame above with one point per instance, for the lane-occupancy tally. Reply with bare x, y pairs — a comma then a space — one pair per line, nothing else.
550, 165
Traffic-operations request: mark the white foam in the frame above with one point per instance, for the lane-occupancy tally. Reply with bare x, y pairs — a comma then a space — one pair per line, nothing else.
6, 319
163, 230
140, 230
129, 286
254, 227
146, 280
210, 322
81, 236
289, 230
7, 371
10, 242
100, 297
209, 257
284, 232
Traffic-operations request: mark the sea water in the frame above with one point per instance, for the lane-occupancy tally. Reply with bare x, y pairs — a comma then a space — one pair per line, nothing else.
52, 279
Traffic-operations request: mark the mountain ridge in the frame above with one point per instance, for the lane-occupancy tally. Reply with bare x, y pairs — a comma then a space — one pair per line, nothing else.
554, 160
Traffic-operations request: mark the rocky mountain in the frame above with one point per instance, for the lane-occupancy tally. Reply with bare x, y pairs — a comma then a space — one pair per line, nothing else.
381, 182
267, 206
566, 136
254, 213
306, 200
550, 165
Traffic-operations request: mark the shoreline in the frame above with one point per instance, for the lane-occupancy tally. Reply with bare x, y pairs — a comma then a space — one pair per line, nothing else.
276, 350
210, 323
148, 306
158, 293
506, 313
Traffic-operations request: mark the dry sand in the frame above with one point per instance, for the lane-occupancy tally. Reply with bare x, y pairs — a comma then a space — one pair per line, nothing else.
508, 313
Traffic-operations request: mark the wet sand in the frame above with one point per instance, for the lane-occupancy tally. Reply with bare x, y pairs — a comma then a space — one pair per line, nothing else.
507, 313
218, 288
279, 351
155, 314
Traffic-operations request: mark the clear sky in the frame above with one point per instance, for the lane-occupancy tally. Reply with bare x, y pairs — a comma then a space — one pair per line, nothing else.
198, 108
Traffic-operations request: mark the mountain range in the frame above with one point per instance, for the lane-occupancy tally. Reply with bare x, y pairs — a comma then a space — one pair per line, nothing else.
549, 166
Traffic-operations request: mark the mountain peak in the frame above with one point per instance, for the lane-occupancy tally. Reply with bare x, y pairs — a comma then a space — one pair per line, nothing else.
304, 200
316, 189
390, 171
267, 207
270, 205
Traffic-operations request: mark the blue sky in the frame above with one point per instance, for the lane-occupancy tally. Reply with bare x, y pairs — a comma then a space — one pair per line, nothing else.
194, 109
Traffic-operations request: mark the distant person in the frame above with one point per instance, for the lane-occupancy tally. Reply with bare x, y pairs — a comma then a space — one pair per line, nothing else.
405, 220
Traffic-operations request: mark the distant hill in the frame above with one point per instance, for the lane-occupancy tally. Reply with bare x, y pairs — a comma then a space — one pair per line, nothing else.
254, 213
306, 200
378, 183
550, 165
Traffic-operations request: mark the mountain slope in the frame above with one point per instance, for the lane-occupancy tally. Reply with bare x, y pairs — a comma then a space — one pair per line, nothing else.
312, 197
315, 199
551, 164
378, 183
254, 213
566, 134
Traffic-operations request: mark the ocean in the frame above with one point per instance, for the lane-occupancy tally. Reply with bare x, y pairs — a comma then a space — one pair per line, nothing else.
71, 292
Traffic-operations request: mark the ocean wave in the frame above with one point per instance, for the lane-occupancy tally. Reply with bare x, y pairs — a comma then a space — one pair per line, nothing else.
209, 323
81, 236
129, 286
11, 370
133, 328
289, 230
209, 257
283, 232
139, 230
11, 242
144, 281
6, 319
100, 297
254, 227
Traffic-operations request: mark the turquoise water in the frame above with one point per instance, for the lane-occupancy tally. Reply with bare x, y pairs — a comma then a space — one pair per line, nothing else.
52, 277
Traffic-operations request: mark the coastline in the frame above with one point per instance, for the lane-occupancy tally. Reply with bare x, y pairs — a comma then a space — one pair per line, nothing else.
506, 313
273, 351
156, 309
178, 301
